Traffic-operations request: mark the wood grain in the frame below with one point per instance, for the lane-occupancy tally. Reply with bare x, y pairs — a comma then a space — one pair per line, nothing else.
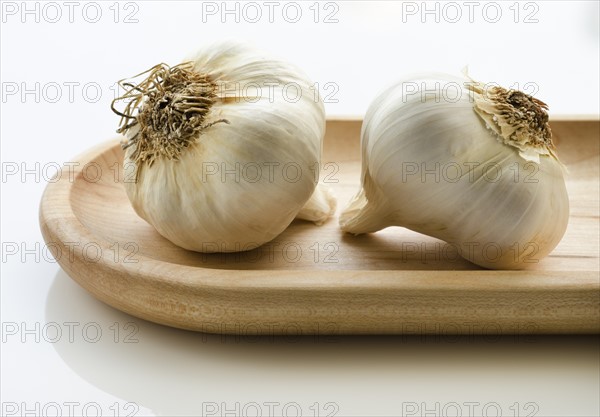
316, 280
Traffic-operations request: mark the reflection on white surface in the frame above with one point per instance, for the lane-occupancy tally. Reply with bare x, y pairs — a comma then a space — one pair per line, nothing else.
176, 372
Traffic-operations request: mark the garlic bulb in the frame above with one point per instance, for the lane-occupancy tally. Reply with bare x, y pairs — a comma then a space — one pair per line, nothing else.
470, 164
225, 148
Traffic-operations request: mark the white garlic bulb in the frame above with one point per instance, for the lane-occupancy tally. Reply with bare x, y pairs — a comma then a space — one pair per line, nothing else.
470, 164
226, 149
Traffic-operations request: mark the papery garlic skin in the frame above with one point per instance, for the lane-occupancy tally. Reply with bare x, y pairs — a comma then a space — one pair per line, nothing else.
241, 180
320, 207
433, 164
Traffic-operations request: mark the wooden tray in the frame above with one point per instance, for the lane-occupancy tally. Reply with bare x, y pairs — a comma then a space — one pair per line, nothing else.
316, 280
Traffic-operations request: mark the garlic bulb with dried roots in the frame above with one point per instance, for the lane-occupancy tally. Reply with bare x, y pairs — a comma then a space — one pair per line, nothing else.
225, 148
471, 164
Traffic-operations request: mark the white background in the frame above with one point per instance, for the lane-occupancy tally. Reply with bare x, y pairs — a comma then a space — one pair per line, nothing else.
71, 66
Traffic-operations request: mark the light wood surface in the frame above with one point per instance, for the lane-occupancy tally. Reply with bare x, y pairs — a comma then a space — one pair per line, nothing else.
317, 280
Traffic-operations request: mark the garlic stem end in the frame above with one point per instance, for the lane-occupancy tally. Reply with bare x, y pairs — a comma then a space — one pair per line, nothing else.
320, 207
361, 217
